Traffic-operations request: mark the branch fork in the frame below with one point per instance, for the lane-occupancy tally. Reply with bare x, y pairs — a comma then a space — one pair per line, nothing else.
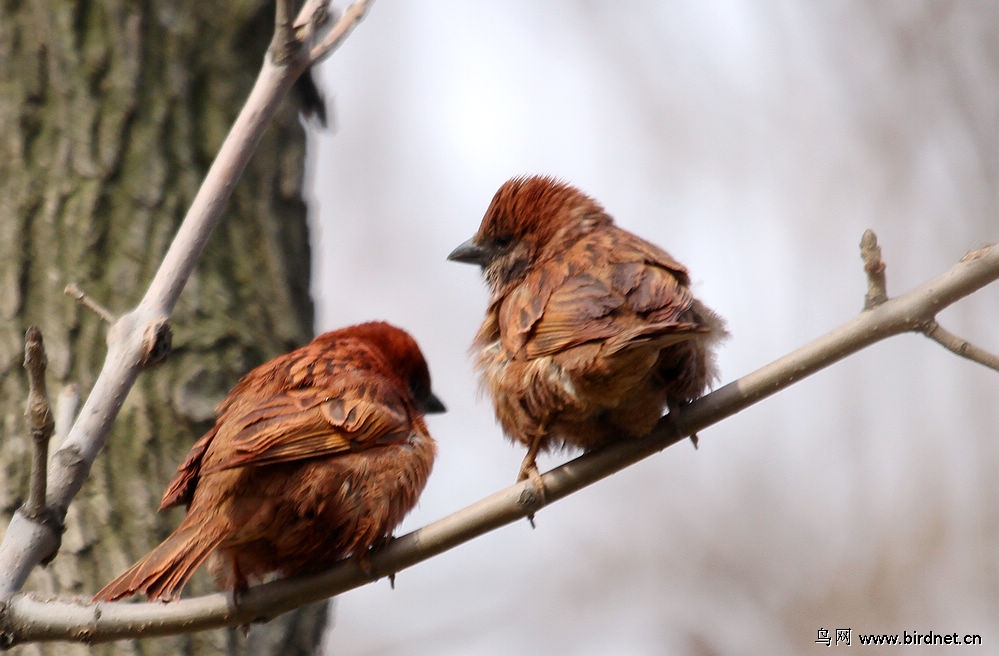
877, 294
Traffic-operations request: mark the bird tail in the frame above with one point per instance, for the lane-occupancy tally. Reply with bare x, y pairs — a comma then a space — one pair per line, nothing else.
166, 569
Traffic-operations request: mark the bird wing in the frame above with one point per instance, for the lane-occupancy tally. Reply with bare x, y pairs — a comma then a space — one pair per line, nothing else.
311, 422
630, 294
294, 425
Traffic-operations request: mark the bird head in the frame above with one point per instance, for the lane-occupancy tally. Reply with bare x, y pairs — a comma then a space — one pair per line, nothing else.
529, 220
407, 362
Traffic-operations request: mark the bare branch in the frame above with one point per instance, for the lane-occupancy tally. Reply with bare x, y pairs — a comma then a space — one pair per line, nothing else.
67, 404
312, 18
39, 415
28, 619
340, 30
205, 212
874, 266
285, 44
74, 290
960, 346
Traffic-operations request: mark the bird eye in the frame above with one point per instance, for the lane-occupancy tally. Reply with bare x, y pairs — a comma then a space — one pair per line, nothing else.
503, 241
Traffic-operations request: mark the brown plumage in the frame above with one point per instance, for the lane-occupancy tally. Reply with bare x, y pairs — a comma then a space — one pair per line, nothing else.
315, 456
591, 332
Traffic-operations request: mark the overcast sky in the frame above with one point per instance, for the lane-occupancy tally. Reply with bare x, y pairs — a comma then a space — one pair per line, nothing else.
755, 141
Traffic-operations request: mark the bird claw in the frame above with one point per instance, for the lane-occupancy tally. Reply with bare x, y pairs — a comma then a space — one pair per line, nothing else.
364, 564
364, 561
239, 588
529, 471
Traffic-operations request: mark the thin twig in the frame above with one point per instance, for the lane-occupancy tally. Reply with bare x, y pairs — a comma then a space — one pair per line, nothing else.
72, 289
959, 346
66, 406
27, 619
312, 18
39, 415
874, 267
351, 16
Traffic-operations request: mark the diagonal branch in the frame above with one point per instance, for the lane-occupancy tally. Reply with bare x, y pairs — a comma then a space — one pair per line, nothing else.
959, 346
27, 619
74, 290
141, 336
352, 15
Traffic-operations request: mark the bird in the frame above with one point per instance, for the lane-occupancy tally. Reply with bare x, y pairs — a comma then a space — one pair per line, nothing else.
591, 333
315, 456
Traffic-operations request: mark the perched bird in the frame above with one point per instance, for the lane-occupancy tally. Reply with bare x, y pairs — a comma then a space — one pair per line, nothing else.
315, 456
591, 332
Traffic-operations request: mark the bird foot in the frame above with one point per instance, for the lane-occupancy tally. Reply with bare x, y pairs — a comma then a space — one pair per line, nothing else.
379, 544
529, 471
364, 564
363, 560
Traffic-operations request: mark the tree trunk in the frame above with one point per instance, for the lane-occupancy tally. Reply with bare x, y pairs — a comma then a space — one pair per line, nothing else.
111, 113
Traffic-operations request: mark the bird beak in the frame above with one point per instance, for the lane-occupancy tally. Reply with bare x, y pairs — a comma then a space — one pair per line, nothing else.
432, 405
470, 253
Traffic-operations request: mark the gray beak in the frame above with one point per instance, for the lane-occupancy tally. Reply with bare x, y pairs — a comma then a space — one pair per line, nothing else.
432, 405
470, 253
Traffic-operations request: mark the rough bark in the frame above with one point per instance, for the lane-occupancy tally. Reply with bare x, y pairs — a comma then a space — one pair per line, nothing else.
111, 113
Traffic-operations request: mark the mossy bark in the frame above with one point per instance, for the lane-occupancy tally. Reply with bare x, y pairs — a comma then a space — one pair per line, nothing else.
110, 113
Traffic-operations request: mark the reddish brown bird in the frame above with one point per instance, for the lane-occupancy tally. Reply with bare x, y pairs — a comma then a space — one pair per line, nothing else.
591, 332
315, 456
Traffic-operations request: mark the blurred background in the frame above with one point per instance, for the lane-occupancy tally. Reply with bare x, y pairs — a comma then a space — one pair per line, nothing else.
755, 141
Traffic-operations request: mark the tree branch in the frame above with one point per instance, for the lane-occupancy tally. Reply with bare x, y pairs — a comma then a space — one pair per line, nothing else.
959, 346
84, 299
141, 336
40, 420
67, 403
877, 293
352, 15
285, 45
27, 619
